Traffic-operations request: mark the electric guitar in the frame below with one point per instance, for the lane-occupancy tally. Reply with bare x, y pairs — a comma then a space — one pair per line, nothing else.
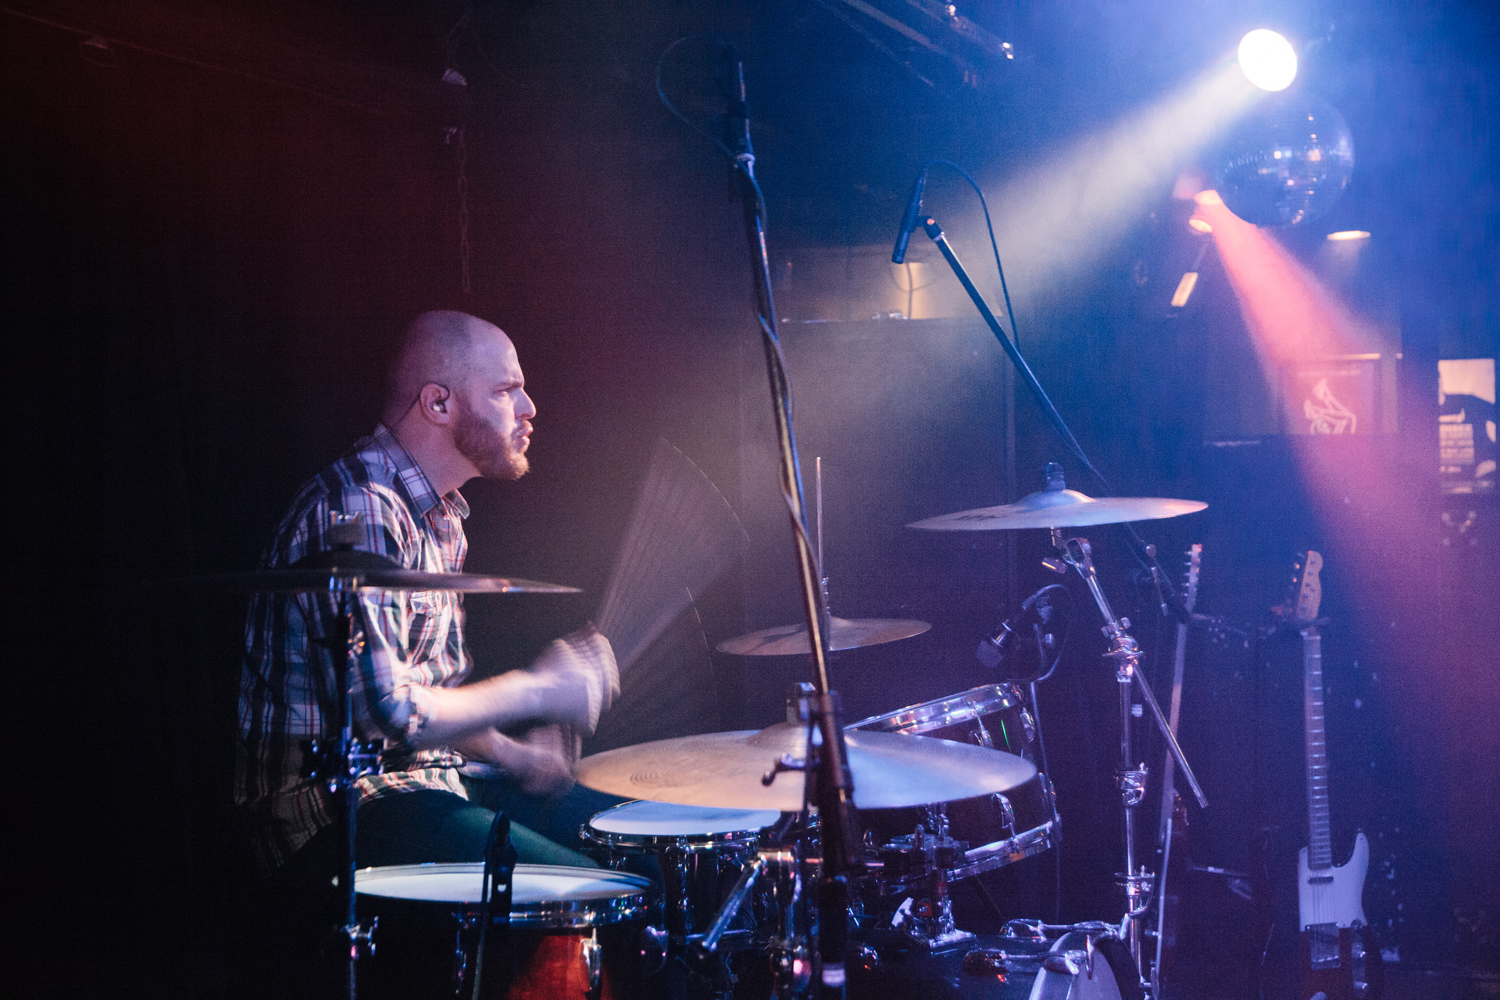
1172, 833
1338, 960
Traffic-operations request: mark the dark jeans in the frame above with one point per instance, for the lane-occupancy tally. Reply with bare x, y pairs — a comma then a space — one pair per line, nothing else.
288, 947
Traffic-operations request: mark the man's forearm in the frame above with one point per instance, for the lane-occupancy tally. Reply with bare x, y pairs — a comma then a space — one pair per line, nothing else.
444, 715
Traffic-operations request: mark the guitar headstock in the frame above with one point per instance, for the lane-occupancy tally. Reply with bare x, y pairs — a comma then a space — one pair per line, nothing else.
1306, 596
1190, 586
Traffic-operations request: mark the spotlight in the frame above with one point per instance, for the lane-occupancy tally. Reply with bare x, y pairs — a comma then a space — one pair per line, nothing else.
1268, 59
1185, 289
1201, 225
1348, 234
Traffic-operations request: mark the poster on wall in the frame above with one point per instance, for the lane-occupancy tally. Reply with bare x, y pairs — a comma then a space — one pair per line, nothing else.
1336, 396
1466, 425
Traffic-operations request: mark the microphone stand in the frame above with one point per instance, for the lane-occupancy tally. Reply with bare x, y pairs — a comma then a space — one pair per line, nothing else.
1145, 553
1123, 649
829, 782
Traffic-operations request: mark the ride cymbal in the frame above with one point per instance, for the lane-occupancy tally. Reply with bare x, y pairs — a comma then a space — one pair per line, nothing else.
1061, 508
725, 770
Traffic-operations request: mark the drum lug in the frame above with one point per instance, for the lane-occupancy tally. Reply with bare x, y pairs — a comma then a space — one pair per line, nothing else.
1007, 813
592, 956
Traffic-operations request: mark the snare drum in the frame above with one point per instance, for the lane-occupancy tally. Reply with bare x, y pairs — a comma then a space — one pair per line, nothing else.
999, 829
573, 932
697, 848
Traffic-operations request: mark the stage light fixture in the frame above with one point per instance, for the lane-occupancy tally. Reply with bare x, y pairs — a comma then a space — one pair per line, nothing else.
1201, 225
1268, 60
1185, 288
1348, 234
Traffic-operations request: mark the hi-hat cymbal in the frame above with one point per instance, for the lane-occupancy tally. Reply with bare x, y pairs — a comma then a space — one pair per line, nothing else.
843, 633
359, 570
891, 770
1060, 509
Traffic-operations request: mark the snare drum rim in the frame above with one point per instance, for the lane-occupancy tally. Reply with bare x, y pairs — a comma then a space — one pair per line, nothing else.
690, 843
549, 914
929, 715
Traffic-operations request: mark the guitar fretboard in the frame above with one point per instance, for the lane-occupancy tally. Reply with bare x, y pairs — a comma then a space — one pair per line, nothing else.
1319, 834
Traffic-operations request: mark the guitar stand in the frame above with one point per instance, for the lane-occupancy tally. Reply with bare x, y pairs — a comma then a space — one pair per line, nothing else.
1136, 883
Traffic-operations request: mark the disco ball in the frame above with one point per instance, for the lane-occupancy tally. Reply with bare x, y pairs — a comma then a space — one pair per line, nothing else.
1286, 162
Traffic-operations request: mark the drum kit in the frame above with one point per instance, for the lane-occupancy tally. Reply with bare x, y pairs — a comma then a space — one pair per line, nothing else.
944, 791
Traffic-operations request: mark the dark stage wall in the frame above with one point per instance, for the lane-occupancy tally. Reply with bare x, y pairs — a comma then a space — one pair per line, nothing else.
204, 271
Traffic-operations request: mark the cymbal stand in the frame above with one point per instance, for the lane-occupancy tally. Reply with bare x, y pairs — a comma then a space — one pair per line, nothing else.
348, 760
1131, 776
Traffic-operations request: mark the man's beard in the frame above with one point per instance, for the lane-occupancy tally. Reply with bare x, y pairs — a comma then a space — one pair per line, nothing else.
494, 456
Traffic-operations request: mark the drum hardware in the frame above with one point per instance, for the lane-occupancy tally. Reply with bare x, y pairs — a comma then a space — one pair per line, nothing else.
926, 916
1137, 883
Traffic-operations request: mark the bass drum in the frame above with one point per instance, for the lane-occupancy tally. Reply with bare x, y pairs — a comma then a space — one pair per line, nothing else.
573, 932
999, 829
997, 968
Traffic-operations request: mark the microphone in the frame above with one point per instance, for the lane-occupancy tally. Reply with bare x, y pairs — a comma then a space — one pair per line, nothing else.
1037, 607
909, 220
737, 119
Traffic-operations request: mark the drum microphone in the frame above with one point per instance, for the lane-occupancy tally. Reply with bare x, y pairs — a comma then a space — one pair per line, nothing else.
1038, 606
909, 220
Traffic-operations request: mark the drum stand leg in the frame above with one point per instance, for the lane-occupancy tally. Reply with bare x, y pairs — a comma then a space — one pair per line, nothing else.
1131, 777
341, 766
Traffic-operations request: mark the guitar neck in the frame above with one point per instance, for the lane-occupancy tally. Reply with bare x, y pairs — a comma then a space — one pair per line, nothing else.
1319, 834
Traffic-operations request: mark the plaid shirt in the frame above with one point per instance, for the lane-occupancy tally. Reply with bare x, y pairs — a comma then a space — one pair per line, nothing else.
287, 685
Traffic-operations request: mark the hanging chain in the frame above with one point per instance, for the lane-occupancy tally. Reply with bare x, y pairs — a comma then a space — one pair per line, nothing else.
463, 206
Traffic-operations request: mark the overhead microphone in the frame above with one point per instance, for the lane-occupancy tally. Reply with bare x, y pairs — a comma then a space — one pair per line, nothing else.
909, 220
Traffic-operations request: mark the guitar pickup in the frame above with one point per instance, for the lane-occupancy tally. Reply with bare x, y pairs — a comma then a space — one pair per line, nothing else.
1320, 880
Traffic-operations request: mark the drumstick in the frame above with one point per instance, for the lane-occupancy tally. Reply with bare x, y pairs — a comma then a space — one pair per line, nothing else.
682, 535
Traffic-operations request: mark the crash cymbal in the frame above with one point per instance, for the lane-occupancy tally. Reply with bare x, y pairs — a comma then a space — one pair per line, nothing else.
1061, 508
724, 770
843, 633
359, 570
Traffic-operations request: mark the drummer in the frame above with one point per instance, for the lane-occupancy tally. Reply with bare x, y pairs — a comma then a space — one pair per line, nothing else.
456, 409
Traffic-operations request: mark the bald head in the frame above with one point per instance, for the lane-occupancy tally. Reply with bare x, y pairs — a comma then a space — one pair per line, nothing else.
439, 348
456, 400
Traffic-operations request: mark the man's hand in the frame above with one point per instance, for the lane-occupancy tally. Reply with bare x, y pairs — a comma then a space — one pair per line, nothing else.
579, 677
572, 683
541, 760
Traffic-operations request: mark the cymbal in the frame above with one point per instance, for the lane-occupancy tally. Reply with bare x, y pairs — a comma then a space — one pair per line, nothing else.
843, 633
285, 581
1061, 508
360, 570
891, 770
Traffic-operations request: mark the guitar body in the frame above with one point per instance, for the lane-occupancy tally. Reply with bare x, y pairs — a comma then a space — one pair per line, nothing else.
1334, 895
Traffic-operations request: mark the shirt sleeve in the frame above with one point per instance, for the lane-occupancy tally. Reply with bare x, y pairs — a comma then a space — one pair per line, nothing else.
381, 678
